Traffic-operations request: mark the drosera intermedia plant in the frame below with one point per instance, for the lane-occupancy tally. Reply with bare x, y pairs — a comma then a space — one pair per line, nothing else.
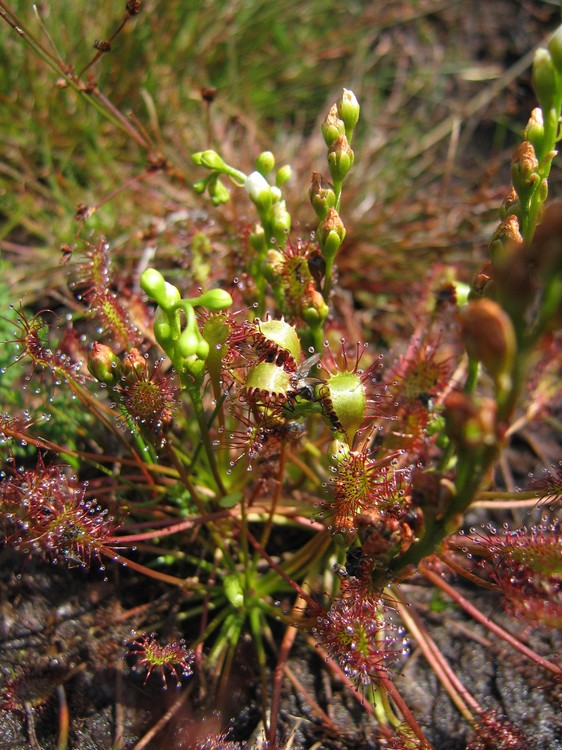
275, 475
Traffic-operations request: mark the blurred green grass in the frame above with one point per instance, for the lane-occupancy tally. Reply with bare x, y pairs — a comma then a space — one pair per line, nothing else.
276, 68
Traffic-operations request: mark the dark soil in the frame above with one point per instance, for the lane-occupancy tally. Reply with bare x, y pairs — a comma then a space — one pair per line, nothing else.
64, 633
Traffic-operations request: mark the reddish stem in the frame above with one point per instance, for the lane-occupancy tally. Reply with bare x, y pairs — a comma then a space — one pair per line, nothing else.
454, 687
164, 577
174, 529
452, 563
284, 651
470, 609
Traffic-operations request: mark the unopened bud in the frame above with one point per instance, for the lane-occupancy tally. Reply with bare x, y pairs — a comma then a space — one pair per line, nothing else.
265, 162
209, 159
524, 169
157, 288
544, 78
555, 49
489, 338
510, 205
215, 300
218, 192
330, 233
134, 364
280, 222
187, 343
534, 129
283, 175
314, 310
259, 190
163, 332
203, 348
103, 364
322, 195
482, 280
340, 158
348, 110
257, 239
333, 126
506, 236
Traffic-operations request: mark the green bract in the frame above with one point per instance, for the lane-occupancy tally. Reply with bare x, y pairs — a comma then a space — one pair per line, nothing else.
348, 400
269, 378
283, 335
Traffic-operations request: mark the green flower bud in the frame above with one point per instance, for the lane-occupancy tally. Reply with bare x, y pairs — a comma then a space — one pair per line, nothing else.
544, 78
330, 233
534, 130
103, 364
332, 127
200, 186
153, 283
218, 192
194, 366
209, 159
280, 222
555, 49
276, 194
215, 300
259, 191
348, 110
163, 332
283, 175
314, 310
188, 342
157, 288
322, 195
202, 349
340, 158
265, 162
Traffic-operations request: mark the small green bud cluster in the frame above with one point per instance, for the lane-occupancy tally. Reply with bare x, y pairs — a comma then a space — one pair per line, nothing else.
325, 197
216, 189
532, 160
275, 220
274, 217
181, 341
521, 279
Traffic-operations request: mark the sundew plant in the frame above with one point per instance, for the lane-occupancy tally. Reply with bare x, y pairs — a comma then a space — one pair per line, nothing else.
285, 488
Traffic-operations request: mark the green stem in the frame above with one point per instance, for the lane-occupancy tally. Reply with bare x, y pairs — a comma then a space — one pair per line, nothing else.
144, 448
326, 291
194, 391
472, 376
